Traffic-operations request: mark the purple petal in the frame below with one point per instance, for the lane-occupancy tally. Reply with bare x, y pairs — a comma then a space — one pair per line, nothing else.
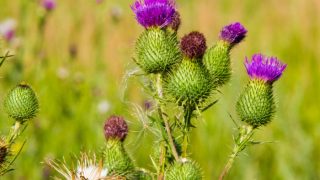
265, 68
233, 33
154, 13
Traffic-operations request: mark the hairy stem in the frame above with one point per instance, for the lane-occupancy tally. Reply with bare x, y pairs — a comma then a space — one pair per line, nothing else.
166, 126
15, 132
186, 130
241, 142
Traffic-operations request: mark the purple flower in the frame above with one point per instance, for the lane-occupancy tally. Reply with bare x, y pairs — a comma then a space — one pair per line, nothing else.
233, 33
115, 128
268, 69
8, 29
154, 13
49, 4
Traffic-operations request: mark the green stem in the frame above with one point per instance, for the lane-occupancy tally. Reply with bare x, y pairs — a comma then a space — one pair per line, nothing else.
167, 128
186, 130
241, 143
14, 133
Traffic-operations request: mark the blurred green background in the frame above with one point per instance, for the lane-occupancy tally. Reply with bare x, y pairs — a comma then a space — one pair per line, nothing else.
77, 61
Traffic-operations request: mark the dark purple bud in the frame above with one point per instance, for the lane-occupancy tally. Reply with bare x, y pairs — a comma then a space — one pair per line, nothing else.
115, 127
154, 13
49, 4
147, 104
233, 33
268, 69
193, 45
176, 21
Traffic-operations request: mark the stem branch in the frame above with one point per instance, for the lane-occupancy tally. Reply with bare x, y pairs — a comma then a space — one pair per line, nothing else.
241, 143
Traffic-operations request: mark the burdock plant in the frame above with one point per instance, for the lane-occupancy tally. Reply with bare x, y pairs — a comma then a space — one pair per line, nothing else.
183, 77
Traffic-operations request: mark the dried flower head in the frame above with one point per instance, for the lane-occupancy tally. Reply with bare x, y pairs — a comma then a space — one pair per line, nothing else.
88, 167
49, 4
193, 45
233, 33
154, 13
268, 69
115, 128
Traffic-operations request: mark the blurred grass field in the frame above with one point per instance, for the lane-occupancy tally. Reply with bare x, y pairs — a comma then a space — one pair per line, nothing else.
77, 64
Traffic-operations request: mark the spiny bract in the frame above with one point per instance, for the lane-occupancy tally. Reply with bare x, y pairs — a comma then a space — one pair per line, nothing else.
21, 103
184, 171
217, 61
256, 104
117, 161
156, 50
189, 82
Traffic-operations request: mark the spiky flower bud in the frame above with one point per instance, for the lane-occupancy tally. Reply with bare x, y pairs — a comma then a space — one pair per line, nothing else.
188, 83
118, 162
217, 58
154, 13
193, 45
157, 50
184, 171
21, 103
115, 128
256, 104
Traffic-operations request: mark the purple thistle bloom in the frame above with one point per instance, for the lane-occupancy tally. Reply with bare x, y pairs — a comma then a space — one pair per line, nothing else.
154, 13
49, 4
233, 33
268, 69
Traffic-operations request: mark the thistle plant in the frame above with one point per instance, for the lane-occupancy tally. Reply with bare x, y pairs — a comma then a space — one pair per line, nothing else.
21, 105
183, 77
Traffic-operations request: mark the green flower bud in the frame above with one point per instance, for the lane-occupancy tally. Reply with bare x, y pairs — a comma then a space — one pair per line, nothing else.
21, 103
217, 61
117, 161
184, 171
256, 104
156, 50
189, 82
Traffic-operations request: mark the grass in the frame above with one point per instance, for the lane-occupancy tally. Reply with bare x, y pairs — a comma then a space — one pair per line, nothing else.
69, 120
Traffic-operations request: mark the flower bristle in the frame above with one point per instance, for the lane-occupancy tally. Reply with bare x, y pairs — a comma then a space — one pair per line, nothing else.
193, 45
268, 69
154, 13
233, 33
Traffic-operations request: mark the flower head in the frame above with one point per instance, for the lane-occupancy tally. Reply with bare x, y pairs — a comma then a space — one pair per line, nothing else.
115, 128
193, 45
49, 4
154, 13
265, 68
233, 33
